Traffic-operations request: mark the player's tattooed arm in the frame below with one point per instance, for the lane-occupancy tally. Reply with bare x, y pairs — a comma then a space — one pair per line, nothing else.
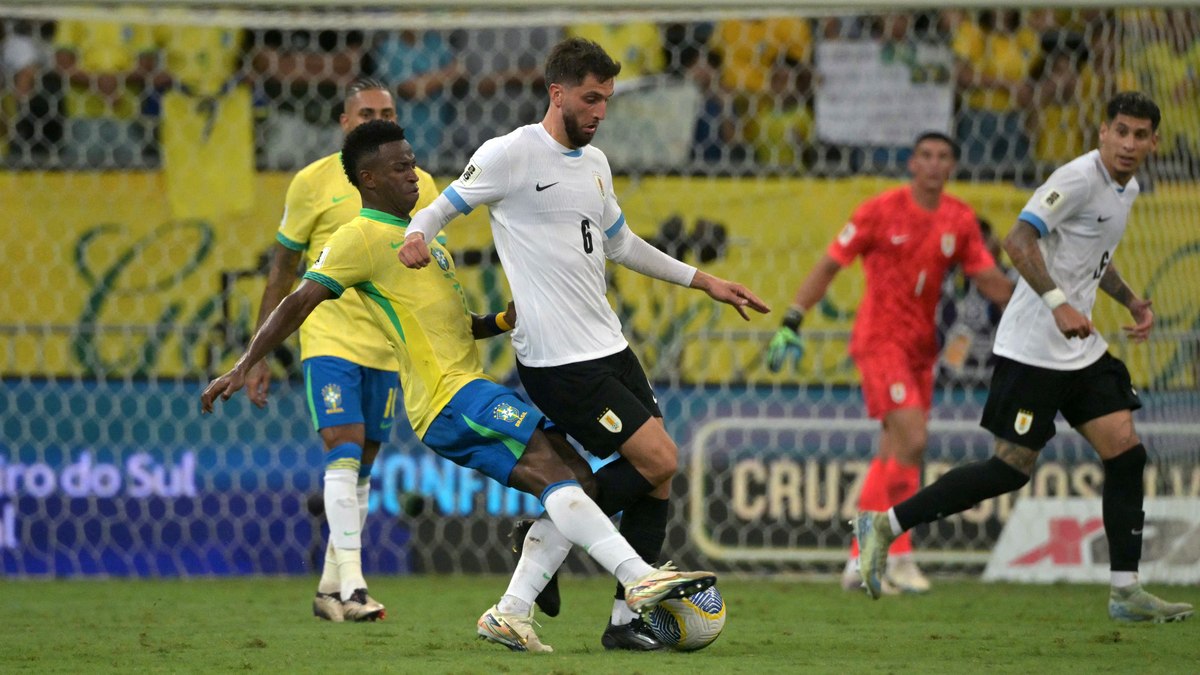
1022, 247
1020, 458
1115, 286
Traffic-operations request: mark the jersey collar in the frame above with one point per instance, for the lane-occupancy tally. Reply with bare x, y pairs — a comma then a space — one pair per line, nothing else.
383, 217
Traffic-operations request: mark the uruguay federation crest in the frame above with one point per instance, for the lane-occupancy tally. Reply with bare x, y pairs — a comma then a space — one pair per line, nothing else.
331, 394
948, 244
508, 413
609, 420
442, 261
1024, 421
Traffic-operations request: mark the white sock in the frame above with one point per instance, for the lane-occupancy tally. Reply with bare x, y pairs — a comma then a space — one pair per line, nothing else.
621, 614
349, 564
341, 508
582, 523
330, 581
1123, 579
510, 604
896, 529
544, 550
363, 492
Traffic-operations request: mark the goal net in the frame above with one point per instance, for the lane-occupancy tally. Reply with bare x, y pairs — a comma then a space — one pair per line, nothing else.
147, 147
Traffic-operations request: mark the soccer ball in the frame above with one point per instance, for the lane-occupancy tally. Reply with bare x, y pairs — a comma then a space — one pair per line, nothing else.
688, 624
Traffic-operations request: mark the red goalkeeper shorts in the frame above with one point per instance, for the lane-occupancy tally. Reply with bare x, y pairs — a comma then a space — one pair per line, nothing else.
891, 379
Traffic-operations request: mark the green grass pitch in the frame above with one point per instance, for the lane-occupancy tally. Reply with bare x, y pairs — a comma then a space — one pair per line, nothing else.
265, 625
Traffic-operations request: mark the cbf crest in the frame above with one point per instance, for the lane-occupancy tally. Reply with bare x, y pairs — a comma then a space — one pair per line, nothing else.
948, 244
508, 413
440, 256
1024, 421
331, 394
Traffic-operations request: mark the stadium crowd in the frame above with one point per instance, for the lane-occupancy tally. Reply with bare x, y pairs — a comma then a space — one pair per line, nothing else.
94, 94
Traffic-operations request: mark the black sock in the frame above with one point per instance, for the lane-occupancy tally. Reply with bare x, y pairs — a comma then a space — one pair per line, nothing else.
619, 485
644, 526
958, 490
1123, 515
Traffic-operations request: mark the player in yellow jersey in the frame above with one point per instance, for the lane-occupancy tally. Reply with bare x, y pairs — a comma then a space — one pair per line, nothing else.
349, 370
453, 407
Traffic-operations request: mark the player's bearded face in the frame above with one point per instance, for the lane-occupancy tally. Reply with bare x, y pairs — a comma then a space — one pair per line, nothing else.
583, 107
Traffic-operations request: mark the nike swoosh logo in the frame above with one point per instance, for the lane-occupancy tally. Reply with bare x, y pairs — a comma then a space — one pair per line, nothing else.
1101, 219
900, 239
351, 533
385, 425
396, 244
539, 187
1138, 531
338, 199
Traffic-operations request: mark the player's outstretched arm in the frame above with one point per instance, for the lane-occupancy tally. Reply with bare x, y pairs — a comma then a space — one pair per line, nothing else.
1021, 244
280, 278
1114, 285
425, 225
282, 322
730, 293
787, 344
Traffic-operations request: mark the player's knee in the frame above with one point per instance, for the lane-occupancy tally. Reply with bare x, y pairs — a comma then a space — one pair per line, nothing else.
1015, 464
661, 465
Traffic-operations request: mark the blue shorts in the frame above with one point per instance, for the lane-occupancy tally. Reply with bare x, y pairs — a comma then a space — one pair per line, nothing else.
485, 427
340, 392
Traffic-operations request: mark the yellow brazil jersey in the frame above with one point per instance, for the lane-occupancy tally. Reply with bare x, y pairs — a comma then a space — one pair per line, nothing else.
423, 312
319, 200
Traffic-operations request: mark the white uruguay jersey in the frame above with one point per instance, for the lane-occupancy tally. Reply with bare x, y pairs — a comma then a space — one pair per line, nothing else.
1081, 212
552, 211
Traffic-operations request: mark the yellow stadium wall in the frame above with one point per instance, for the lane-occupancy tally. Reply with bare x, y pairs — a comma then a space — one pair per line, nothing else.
103, 249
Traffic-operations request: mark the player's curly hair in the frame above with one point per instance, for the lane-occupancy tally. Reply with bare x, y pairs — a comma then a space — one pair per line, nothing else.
364, 141
573, 59
1134, 104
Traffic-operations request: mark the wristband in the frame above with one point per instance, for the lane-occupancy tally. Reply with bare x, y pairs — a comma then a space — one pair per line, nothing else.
1054, 297
501, 321
793, 318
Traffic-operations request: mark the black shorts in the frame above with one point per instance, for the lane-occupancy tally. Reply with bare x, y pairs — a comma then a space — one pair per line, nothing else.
1024, 400
600, 403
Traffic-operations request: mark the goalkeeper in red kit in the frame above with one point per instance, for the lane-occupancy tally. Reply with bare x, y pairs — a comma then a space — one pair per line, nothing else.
908, 238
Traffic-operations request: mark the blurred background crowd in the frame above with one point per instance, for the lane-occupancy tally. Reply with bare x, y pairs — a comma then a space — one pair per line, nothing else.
1024, 87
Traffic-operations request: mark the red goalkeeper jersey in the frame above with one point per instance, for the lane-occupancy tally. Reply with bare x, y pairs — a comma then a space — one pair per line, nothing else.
906, 252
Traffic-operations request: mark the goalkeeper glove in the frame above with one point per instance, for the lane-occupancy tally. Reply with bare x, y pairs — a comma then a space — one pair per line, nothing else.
786, 343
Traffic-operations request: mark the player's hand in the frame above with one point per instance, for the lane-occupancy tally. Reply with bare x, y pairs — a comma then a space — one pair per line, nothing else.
1143, 320
785, 345
730, 293
224, 386
414, 254
510, 314
258, 384
1071, 322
